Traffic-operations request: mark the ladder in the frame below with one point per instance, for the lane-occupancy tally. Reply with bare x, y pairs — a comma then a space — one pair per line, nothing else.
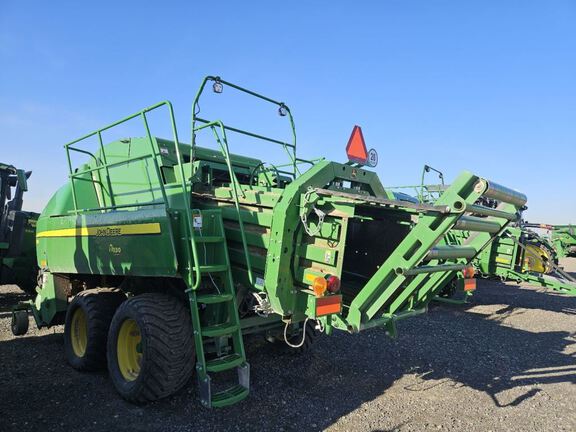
216, 298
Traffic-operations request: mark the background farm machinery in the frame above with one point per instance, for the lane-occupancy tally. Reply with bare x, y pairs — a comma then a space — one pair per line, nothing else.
563, 237
17, 231
159, 256
521, 255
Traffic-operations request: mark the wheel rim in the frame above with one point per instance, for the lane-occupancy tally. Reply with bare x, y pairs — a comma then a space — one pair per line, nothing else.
536, 259
79, 332
129, 349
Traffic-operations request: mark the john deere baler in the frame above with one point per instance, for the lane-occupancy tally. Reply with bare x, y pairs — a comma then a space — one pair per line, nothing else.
159, 256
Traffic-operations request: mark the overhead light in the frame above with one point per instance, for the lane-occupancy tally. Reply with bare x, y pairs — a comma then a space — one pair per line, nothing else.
217, 87
282, 110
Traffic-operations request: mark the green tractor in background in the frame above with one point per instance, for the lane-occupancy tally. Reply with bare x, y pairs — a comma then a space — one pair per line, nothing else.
17, 231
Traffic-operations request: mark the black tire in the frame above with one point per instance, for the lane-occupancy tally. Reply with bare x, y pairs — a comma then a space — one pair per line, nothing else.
97, 306
19, 322
165, 349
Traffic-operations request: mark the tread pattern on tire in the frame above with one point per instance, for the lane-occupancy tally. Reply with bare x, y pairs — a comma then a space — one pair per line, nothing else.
19, 323
99, 304
168, 347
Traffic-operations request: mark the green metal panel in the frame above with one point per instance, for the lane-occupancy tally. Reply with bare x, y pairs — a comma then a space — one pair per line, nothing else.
116, 243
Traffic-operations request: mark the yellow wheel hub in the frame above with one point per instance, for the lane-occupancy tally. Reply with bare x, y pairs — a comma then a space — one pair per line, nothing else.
79, 332
129, 349
537, 259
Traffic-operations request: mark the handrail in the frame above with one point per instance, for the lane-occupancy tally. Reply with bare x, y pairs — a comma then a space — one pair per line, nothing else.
112, 165
105, 165
223, 142
191, 250
86, 152
427, 168
281, 106
98, 162
422, 192
243, 132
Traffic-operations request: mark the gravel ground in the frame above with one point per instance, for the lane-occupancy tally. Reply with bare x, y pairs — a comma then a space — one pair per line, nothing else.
504, 363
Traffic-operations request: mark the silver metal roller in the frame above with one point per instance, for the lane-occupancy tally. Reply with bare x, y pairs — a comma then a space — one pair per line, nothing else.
450, 252
430, 269
487, 211
471, 223
504, 194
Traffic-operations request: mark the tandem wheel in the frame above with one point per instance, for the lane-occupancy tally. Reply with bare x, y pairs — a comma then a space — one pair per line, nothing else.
19, 322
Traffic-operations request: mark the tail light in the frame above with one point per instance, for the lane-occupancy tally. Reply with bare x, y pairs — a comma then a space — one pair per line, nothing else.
319, 286
333, 284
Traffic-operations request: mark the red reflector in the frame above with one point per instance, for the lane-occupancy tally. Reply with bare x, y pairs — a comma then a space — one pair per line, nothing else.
328, 305
469, 284
356, 148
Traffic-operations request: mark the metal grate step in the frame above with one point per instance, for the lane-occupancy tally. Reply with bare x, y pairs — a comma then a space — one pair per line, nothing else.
220, 330
227, 362
229, 396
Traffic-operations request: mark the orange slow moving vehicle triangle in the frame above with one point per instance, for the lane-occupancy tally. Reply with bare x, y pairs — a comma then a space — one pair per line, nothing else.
356, 148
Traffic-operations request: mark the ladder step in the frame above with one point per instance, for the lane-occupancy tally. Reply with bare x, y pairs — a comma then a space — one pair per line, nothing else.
219, 330
209, 239
213, 268
214, 298
229, 396
224, 363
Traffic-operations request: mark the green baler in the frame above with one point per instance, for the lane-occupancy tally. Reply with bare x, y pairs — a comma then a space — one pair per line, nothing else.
159, 256
17, 231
